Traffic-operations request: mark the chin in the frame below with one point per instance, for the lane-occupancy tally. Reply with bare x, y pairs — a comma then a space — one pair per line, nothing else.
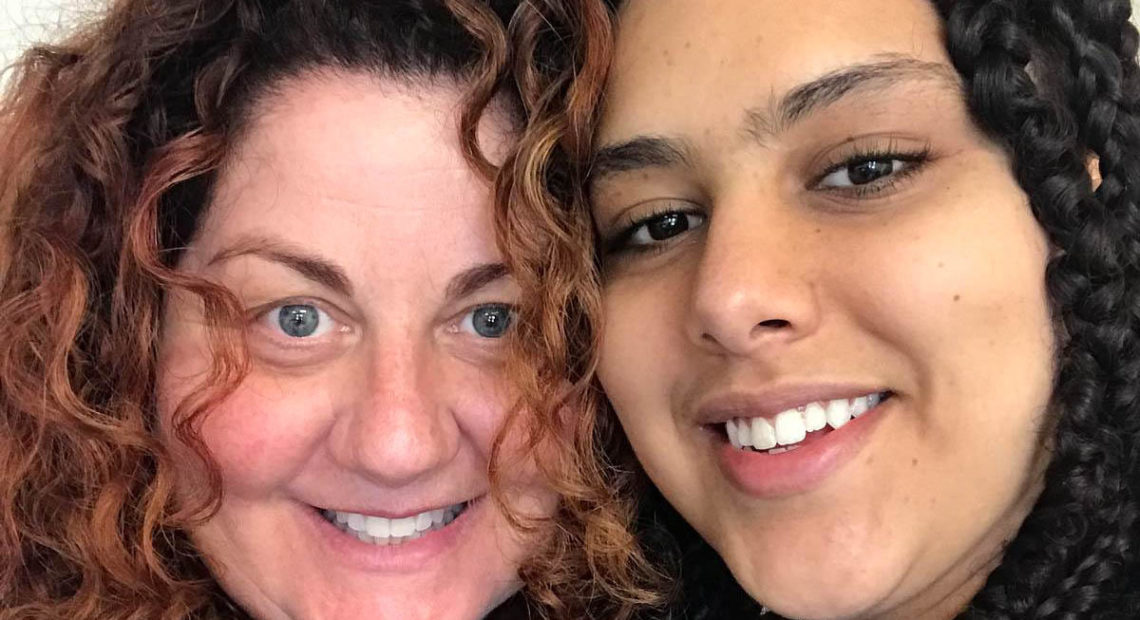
829, 589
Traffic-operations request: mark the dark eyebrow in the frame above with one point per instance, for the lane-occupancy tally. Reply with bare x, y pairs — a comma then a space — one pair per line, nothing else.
315, 268
641, 152
762, 122
475, 278
892, 70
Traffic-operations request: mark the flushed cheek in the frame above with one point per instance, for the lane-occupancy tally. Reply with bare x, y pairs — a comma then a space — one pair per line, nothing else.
261, 436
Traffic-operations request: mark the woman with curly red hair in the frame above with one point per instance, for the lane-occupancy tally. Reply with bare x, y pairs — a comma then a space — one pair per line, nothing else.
254, 361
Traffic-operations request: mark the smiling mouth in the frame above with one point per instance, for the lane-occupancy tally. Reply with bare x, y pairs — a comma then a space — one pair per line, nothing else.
383, 531
790, 428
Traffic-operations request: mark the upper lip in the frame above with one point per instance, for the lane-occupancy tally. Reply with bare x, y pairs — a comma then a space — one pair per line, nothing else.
402, 514
766, 403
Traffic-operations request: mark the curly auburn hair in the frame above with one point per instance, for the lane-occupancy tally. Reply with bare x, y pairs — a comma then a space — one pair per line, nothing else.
115, 138
1052, 81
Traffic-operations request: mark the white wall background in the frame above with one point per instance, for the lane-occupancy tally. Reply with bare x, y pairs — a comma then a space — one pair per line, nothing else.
26, 21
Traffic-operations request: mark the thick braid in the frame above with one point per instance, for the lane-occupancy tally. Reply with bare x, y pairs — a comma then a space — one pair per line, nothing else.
1103, 90
1074, 556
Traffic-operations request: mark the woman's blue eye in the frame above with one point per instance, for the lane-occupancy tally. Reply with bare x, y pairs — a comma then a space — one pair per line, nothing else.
301, 320
664, 226
488, 321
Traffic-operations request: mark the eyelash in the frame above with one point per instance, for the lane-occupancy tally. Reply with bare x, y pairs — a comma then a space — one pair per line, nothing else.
619, 243
261, 316
918, 158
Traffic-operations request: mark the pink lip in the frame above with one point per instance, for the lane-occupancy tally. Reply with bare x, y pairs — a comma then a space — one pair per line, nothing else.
768, 403
345, 549
772, 476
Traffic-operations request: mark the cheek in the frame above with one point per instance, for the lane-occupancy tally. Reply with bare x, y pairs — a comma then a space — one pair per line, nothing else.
642, 319
259, 434
482, 399
264, 434
959, 282
955, 294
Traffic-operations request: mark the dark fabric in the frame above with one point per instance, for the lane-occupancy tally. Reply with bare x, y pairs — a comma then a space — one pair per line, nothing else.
515, 608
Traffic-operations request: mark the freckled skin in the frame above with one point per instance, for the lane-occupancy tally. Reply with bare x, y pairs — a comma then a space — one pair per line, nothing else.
933, 288
395, 409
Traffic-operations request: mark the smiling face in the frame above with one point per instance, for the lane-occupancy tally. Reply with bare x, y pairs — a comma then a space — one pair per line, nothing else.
354, 456
827, 332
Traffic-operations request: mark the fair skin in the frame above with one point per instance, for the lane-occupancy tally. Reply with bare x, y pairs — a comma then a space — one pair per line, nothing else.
795, 207
361, 245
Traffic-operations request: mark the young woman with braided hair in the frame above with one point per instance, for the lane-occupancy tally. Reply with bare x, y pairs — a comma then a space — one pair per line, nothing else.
869, 275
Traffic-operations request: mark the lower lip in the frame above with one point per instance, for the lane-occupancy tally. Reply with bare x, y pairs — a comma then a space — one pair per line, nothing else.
803, 469
405, 557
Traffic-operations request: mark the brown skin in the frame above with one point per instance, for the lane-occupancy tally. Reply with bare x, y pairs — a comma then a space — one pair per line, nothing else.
928, 282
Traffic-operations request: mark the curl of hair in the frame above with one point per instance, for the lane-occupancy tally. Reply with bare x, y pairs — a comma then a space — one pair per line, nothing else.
1055, 82
562, 53
113, 140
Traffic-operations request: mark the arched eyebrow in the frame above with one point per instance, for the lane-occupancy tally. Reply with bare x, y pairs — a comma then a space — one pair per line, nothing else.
474, 278
332, 276
764, 121
310, 266
889, 71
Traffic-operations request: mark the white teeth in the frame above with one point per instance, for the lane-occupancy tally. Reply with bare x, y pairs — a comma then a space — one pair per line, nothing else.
730, 430
379, 527
404, 527
744, 433
763, 433
357, 522
815, 417
838, 413
382, 531
790, 427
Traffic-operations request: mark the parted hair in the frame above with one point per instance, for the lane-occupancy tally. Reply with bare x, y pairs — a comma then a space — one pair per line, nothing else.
113, 139
1055, 82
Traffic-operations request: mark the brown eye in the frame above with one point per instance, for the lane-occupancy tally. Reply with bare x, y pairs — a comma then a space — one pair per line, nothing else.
865, 171
664, 226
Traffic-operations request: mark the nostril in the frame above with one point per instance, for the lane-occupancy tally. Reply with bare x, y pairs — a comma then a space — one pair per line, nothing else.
773, 324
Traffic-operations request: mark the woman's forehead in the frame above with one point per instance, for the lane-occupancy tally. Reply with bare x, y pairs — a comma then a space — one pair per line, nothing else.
357, 171
693, 64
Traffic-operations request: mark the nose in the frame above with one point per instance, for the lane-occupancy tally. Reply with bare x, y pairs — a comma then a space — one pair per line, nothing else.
754, 286
398, 426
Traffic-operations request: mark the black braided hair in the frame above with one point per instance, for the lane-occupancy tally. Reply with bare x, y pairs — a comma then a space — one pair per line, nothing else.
1056, 82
